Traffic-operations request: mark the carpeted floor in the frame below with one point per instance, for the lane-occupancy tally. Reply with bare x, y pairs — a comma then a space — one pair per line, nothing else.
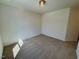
43, 47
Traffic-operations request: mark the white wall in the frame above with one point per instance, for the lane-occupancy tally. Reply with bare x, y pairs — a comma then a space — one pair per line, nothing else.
1, 43
18, 23
1, 48
54, 24
77, 51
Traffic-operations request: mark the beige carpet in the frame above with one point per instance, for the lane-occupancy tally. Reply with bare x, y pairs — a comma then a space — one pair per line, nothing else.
44, 47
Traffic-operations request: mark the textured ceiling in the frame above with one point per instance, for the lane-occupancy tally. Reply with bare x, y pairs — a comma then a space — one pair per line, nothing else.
33, 5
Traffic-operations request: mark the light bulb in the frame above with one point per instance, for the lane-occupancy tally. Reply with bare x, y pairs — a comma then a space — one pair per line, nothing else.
42, 3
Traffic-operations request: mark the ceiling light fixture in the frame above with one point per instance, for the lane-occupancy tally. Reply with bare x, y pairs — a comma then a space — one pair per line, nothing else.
42, 2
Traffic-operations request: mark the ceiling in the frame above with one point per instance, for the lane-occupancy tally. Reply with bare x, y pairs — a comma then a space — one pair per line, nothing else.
33, 5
